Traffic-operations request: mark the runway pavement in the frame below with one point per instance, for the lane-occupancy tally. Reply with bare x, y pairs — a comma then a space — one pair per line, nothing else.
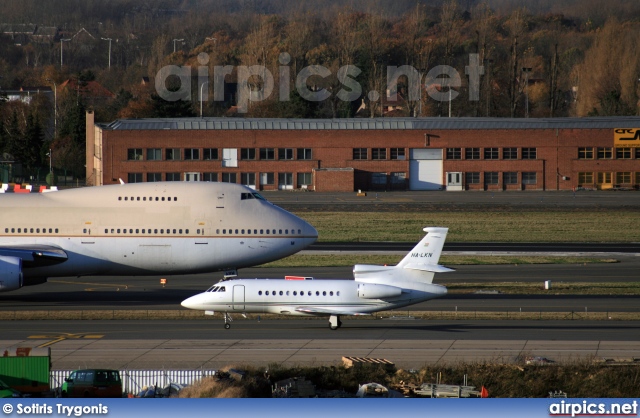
205, 344
118, 293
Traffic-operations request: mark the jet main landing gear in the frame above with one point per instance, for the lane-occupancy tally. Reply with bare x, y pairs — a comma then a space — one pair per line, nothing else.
334, 322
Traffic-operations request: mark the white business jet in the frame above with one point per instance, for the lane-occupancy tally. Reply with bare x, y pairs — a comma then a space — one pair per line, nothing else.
374, 288
142, 229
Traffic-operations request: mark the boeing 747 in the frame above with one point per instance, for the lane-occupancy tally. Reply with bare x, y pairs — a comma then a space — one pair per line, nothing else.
373, 289
142, 229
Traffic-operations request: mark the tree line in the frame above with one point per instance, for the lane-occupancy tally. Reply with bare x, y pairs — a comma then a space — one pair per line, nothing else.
548, 59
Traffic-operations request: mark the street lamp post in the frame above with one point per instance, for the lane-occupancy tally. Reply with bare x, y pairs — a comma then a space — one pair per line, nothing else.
201, 86
108, 39
61, 41
174, 44
526, 71
55, 108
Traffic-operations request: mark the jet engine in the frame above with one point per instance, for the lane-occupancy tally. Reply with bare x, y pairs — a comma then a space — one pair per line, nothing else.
10, 274
377, 291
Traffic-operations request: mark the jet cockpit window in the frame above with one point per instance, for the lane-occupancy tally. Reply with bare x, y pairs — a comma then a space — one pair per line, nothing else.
257, 196
222, 289
213, 288
245, 196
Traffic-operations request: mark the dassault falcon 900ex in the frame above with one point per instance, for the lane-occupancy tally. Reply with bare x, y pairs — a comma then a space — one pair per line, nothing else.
374, 288
142, 229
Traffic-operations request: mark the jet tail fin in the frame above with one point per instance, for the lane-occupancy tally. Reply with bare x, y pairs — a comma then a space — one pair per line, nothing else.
420, 264
427, 252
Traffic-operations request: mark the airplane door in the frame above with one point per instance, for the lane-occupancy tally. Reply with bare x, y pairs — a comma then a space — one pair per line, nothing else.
238, 298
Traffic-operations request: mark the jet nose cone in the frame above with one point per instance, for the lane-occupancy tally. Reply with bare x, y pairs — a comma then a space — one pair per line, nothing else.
313, 233
191, 303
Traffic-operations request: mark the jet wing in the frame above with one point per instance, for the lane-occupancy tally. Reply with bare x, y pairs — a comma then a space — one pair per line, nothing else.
324, 311
35, 255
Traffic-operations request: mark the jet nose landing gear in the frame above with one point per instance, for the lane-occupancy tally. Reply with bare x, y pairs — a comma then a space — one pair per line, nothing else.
227, 320
334, 322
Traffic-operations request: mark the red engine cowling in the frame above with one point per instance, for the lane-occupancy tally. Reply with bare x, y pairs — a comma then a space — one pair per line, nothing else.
377, 291
10, 274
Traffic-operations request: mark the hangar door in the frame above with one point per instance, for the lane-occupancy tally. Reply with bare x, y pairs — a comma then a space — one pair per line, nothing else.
425, 169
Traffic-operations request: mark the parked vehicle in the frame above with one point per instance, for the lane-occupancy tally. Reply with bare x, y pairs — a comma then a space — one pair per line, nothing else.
92, 383
8, 392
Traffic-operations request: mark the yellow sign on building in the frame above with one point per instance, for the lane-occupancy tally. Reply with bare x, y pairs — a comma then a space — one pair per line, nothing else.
626, 138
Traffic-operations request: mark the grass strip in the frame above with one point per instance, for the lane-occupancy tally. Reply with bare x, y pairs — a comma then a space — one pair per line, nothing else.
346, 260
479, 226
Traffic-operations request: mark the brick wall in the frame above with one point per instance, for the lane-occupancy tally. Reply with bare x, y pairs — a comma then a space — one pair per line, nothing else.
556, 164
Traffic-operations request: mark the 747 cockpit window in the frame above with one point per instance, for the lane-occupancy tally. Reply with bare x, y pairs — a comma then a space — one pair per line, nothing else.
246, 196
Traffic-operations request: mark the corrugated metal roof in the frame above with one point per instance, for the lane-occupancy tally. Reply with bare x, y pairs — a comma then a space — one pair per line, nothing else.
372, 124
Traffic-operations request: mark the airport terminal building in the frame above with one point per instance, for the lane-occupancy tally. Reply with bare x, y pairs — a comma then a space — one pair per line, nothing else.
375, 154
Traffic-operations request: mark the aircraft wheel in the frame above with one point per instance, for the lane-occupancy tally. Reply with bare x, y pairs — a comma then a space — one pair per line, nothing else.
227, 326
331, 327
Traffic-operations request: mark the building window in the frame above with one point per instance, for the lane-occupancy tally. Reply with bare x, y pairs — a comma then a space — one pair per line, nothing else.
173, 176
134, 154
210, 154
585, 178
398, 178
154, 154
304, 154
623, 153
472, 178
360, 154
267, 154
153, 177
510, 177
585, 153
191, 154
491, 154
604, 178
529, 178
637, 153
529, 154
247, 153
172, 154
623, 177
605, 153
510, 153
285, 153
134, 177
267, 178
304, 179
285, 180
229, 178
454, 153
397, 154
472, 153
248, 179
638, 177
379, 179
491, 177
378, 153
209, 176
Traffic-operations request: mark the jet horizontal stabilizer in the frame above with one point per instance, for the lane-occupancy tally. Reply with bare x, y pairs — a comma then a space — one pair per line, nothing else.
433, 268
